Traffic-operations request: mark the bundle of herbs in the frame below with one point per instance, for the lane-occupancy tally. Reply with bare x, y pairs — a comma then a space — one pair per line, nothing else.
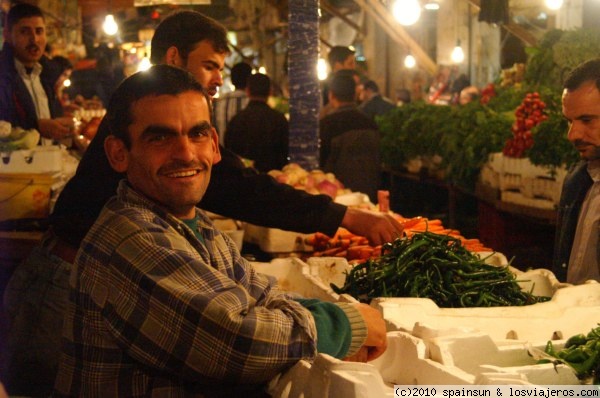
438, 267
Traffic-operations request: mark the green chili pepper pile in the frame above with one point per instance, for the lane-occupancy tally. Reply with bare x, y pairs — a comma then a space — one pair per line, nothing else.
437, 267
582, 353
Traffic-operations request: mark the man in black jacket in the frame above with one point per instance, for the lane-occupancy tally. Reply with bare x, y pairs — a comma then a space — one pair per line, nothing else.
27, 96
258, 132
189, 40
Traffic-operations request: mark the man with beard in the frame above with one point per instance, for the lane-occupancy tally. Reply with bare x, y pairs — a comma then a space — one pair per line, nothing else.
577, 246
27, 96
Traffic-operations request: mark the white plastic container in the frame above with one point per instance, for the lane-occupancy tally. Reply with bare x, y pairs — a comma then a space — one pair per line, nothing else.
41, 159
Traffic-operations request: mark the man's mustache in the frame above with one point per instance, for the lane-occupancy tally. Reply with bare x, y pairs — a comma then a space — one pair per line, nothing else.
33, 47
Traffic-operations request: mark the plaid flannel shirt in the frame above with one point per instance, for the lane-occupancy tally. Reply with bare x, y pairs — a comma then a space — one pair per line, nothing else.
155, 312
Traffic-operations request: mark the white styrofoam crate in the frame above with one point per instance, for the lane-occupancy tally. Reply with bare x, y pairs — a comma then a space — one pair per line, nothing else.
424, 357
41, 159
293, 275
522, 200
440, 346
456, 357
490, 177
331, 378
572, 308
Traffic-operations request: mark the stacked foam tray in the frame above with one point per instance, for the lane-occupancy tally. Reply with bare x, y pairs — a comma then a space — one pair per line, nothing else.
523, 183
432, 345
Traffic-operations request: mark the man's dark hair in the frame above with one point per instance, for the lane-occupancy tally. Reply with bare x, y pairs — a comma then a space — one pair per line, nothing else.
184, 30
239, 74
343, 87
20, 11
338, 54
371, 85
587, 71
160, 79
259, 85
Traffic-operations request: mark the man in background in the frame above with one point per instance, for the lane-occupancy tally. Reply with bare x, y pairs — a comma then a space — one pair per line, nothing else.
577, 243
373, 103
350, 140
27, 95
339, 58
229, 104
258, 132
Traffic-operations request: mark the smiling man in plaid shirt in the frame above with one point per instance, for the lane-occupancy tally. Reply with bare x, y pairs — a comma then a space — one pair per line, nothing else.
161, 303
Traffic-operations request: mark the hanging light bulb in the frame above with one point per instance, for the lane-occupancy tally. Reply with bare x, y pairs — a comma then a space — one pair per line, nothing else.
458, 55
554, 4
410, 61
110, 26
321, 69
406, 12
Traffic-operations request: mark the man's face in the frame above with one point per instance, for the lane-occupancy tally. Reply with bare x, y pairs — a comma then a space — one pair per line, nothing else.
173, 148
581, 107
206, 65
28, 37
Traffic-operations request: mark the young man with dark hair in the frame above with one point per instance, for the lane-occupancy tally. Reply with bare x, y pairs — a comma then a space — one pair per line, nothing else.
258, 132
577, 242
27, 96
161, 302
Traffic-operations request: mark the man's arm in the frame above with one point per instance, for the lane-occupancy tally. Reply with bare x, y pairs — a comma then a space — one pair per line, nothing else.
198, 322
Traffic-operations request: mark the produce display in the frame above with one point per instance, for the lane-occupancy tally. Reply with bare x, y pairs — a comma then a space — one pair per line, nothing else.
314, 182
438, 267
528, 115
12, 139
356, 249
581, 353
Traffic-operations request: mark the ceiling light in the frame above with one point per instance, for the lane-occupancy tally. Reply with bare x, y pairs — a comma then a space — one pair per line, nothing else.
431, 6
458, 55
554, 4
110, 26
407, 12
410, 61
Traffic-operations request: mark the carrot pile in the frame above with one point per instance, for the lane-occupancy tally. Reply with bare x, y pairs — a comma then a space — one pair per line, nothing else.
356, 249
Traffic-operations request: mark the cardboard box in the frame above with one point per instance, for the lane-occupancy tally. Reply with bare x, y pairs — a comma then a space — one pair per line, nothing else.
27, 195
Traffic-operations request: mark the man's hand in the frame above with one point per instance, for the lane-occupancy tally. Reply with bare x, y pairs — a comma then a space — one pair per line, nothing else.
376, 342
58, 128
378, 228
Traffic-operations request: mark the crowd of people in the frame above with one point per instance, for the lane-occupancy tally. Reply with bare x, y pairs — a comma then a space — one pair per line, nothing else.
133, 291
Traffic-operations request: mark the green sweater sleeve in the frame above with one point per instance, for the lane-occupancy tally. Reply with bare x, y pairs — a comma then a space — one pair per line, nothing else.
341, 330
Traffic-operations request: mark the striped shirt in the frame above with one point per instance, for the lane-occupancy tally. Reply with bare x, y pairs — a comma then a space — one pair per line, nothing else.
154, 311
226, 107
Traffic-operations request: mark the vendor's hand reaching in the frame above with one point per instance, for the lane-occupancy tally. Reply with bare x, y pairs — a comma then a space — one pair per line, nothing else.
378, 228
376, 342
58, 128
